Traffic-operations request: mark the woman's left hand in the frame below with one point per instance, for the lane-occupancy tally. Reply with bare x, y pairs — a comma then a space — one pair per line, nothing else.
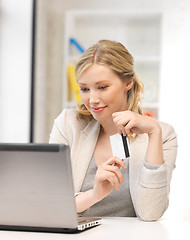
129, 122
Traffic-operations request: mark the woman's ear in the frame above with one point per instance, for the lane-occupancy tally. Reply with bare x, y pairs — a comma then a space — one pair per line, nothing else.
129, 84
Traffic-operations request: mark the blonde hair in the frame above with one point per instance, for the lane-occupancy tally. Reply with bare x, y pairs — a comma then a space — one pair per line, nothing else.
115, 56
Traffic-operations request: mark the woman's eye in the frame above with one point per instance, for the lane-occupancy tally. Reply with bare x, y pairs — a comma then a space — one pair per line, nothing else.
84, 89
103, 87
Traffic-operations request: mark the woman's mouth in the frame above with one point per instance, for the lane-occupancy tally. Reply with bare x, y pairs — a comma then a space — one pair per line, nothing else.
97, 109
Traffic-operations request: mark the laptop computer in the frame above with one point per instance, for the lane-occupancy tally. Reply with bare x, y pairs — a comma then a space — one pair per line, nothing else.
36, 189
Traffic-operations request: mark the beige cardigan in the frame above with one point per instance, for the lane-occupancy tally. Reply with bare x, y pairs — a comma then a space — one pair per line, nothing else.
149, 188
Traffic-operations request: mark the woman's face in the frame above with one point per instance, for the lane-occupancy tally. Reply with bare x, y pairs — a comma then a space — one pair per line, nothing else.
102, 92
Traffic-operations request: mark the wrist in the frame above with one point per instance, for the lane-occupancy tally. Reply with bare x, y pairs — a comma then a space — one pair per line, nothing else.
95, 196
155, 148
156, 131
85, 200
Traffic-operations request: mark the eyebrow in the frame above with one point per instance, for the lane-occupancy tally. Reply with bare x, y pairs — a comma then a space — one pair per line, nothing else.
102, 81
98, 82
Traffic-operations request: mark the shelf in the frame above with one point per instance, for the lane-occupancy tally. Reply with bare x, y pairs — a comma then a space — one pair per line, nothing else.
137, 59
150, 105
147, 59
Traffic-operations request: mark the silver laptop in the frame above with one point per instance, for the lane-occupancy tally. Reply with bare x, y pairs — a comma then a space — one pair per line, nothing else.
36, 189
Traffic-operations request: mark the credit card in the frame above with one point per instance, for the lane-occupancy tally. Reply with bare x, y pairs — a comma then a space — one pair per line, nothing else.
120, 146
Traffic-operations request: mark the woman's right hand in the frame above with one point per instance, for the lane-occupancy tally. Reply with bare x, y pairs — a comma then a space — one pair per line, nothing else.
108, 177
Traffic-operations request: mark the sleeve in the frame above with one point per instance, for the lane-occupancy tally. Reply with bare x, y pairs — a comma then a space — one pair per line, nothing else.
154, 187
58, 133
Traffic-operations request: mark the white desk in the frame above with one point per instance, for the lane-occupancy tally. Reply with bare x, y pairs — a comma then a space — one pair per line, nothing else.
117, 229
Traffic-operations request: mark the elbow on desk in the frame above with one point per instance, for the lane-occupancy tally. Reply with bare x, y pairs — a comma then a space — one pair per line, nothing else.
150, 216
150, 209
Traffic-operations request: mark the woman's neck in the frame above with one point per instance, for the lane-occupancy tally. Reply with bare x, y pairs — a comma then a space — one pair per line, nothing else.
108, 129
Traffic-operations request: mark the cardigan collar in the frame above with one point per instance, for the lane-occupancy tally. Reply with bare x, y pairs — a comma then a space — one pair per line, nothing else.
86, 144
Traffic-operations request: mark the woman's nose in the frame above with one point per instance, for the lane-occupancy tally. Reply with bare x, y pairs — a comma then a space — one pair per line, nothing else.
93, 98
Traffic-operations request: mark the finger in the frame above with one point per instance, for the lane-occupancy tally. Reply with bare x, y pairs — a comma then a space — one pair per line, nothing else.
116, 171
118, 114
111, 180
107, 172
122, 130
129, 127
114, 182
103, 175
117, 165
115, 114
119, 131
120, 124
115, 160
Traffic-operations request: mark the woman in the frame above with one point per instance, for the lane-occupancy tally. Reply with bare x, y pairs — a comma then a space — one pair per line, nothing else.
106, 185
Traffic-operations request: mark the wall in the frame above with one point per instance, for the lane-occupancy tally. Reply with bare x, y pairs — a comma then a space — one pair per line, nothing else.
50, 40
15, 63
15, 57
174, 96
174, 74
48, 74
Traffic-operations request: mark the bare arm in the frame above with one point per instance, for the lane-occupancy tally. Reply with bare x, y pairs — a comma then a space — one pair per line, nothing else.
155, 149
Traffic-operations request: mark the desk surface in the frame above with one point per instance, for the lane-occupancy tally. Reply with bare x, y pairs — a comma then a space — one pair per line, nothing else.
117, 229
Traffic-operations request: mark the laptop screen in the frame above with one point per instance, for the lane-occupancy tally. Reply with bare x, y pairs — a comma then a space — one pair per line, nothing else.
36, 186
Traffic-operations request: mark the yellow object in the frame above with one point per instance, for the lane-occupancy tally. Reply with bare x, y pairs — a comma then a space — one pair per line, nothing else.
72, 83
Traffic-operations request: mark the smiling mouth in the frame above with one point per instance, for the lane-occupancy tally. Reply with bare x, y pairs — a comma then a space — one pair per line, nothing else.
97, 109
